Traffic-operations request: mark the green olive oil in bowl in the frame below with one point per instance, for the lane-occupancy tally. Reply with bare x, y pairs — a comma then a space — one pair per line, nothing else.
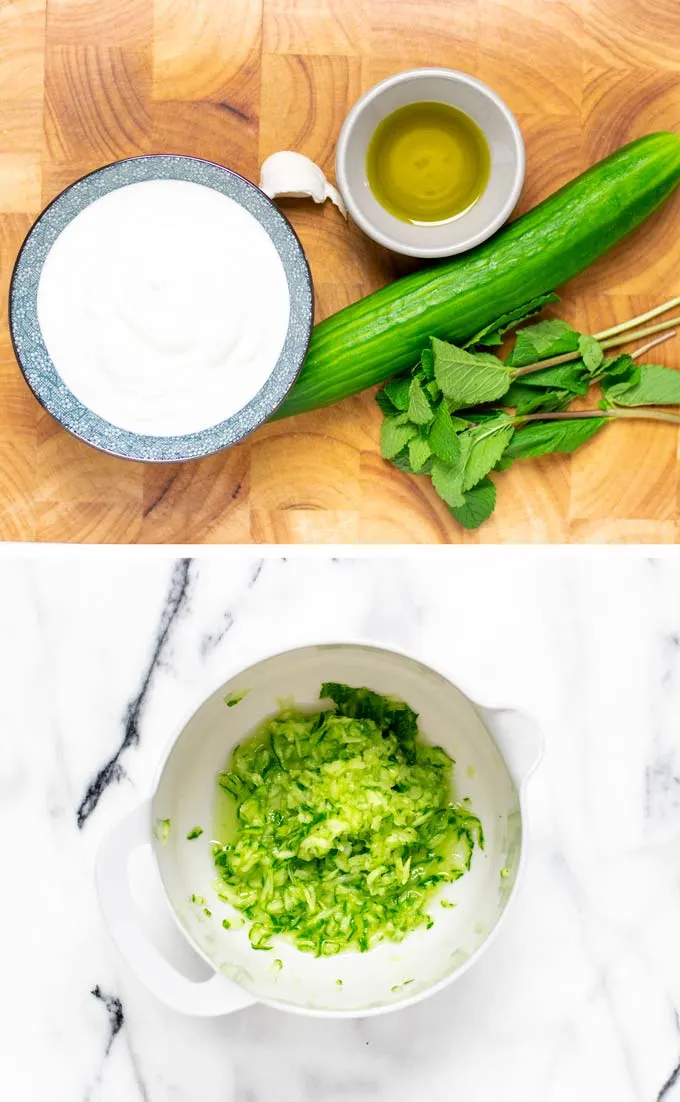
427, 163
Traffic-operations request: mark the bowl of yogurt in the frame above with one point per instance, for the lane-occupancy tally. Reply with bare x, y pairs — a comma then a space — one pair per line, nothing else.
161, 308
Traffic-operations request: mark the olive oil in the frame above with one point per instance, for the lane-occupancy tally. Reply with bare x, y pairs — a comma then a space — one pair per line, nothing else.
427, 163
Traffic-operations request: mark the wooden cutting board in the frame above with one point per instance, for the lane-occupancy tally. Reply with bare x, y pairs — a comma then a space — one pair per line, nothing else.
83, 82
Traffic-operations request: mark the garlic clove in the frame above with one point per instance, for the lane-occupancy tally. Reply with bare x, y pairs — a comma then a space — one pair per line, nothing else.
294, 176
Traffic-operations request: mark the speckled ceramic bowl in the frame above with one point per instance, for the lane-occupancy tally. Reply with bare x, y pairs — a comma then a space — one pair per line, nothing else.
34, 358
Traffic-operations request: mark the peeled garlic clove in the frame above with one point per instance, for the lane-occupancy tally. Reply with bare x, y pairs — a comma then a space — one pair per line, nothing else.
294, 176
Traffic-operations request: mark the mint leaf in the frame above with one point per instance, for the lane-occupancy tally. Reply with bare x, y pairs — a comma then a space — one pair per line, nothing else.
397, 391
395, 435
493, 333
419, 409
402, 461
572, 377
480, 503
619, 368
386, 404
538, 342
652, 385
448, 482
617, 384
419, 452
427, 363
468, 378
433, 391
462, 423
443, 437
529, 399
547, 437
482, 447
591, 352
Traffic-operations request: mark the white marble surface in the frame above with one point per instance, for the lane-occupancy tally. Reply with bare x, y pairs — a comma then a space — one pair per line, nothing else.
577, 999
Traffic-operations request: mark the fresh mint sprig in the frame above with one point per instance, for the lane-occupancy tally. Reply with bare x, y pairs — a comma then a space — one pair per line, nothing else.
460, 414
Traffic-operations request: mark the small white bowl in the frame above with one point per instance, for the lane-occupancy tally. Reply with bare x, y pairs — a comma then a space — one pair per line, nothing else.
483, 106
495, 750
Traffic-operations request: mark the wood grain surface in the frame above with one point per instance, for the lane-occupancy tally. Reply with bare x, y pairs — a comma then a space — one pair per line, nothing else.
83, 82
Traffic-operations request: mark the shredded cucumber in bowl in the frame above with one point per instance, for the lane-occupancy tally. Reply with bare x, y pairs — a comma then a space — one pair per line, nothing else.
345, 825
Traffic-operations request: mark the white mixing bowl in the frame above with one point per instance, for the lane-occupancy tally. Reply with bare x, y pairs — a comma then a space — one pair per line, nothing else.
495, 751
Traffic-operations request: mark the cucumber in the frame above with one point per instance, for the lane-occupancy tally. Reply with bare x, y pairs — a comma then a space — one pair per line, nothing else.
369, 341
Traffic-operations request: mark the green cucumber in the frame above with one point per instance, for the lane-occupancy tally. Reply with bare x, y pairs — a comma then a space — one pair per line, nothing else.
384, 334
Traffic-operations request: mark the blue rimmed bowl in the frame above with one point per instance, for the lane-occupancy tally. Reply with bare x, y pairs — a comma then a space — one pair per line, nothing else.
35, 361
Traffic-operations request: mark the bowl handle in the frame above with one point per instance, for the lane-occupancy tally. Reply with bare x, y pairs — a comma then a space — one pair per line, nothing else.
209, 998
519, 739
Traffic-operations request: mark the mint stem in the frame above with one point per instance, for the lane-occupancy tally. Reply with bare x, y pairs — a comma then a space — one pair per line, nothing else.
618, 414
625, 338
652, 344
632, 322
552, 361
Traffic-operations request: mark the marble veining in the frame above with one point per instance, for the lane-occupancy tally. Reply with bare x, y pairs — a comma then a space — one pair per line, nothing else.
114, 1009
112, 771
579, 996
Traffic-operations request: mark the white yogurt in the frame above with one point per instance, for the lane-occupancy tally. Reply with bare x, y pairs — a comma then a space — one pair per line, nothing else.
164, 307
